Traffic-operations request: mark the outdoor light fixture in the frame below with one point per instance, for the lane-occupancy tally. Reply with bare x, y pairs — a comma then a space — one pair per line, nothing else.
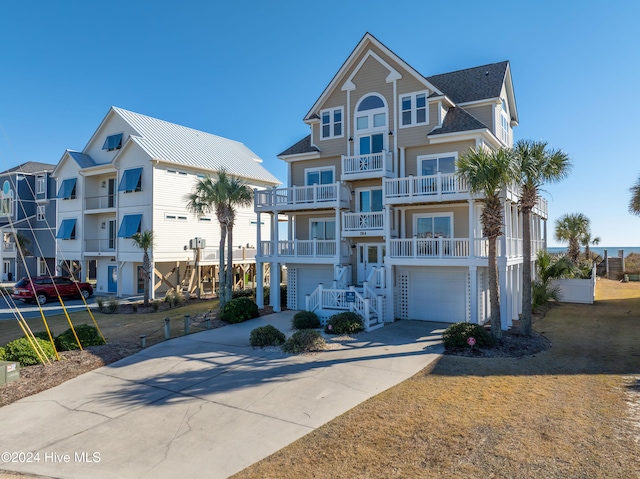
391, 133
351, 139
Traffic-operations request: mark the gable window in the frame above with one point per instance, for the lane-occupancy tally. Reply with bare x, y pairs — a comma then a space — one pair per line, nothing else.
67, 230
113, 142
371, 124
40, 215
40, 184
67, 189
319, 176
414, 109
504, 123
131, 180
331, 126
322, 229
131, 224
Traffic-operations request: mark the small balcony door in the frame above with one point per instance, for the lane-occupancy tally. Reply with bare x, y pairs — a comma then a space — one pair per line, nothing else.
112, 235
370, 255
111, 193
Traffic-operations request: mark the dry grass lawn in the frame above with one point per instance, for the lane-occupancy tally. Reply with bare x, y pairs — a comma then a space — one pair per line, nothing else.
565, 413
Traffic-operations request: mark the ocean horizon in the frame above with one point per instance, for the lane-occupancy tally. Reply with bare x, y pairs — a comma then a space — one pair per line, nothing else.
611, 250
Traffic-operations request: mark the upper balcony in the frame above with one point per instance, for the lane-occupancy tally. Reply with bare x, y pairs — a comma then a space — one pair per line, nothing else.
425, 189
305, 250
8, 249
362, 167
296, 198
100, 204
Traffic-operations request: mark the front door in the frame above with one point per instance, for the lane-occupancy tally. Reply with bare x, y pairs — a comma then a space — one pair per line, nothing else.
7, 276
112, 279
370, 255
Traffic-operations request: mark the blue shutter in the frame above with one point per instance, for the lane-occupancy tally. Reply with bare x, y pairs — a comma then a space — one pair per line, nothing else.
113, 142
130, 179
129, 226
66, 188
66, 228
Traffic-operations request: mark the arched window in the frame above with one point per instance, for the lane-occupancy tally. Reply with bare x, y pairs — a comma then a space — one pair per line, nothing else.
371, 124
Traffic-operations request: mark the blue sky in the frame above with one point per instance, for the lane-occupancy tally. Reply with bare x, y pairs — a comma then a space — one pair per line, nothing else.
250, 70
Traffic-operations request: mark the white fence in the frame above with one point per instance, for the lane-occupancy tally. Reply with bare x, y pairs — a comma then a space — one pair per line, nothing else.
577, 290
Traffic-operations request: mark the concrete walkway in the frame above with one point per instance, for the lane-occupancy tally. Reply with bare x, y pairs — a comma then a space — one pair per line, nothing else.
205, 405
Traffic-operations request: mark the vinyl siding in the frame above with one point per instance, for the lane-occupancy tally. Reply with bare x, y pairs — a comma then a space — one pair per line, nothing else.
114, 124
298, 168
411, 154
483, 113
460, 218
416, 135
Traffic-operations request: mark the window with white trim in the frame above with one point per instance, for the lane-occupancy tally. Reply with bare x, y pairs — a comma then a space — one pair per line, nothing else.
414, 109
319, 176
42, 266
504, 123
431, 165
40, 184
322, 229
174, 217
331, 123
40, 215
369, 200
434, 225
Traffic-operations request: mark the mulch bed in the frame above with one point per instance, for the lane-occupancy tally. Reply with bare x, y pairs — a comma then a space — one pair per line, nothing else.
513, 345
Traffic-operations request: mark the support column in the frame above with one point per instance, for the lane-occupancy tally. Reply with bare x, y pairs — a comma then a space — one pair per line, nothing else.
473, 294
472, 235
390, 309
338, 225
503, 293
259, 265
274, 286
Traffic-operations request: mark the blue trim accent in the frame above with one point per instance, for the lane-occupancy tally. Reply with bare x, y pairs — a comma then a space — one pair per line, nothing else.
66, 188
66, 229
130, 179
129, 226
113, 142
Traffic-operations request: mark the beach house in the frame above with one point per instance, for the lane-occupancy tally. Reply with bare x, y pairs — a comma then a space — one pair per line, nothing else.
133, 176
378, 222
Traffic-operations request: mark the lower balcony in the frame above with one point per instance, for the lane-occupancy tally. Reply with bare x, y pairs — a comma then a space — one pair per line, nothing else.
363, 224
456, 248
305, 249
99, 247
8, 249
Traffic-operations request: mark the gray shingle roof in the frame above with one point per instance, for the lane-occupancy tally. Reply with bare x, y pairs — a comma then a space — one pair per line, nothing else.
303, 146
173, 143
472, 84
458, 120
30, 167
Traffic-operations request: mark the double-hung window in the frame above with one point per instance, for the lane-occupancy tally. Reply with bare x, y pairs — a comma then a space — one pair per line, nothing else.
40, 184
40, 215
331, 123
414, 109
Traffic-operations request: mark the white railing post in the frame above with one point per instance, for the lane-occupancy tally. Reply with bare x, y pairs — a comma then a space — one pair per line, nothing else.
411, 181
439, 185
366, 314
320, 296
307, 303
414, 247
380, 300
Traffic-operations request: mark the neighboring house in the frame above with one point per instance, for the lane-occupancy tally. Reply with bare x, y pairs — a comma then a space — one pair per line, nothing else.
132, 176
28, 207
373, 202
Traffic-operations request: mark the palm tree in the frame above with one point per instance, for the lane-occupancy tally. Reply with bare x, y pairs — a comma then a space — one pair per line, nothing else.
22, 243
240, 195
634, 204
144, 241
487, 173
535, 165
571, 228
587, 240
221, 195
209, 196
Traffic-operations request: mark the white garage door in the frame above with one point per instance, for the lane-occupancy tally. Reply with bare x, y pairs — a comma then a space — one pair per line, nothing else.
308, 277
438, 295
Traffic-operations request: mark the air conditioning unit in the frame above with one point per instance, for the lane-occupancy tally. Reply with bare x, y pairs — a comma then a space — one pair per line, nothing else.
197, 243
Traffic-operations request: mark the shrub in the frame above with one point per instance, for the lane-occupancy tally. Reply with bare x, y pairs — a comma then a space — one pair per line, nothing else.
305, 320
112, 305
456, 335
283, 295
266, 336
632, 263
42, 335
542, 293
344, 323
134, 307
242, 293
21, 350
304, 341
100, 300
3, 354
88, 336
239, 310
155, 304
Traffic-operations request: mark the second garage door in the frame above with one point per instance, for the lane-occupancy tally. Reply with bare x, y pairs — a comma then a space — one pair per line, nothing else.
438, 295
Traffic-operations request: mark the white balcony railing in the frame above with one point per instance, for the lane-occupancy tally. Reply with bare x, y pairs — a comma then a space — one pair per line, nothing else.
425, 187
430, 248
352, 222
373, 165
100, 202
299, 197
304, 248
100, 245
8, 247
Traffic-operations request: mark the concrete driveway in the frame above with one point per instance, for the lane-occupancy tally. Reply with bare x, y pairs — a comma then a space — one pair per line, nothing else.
206, 405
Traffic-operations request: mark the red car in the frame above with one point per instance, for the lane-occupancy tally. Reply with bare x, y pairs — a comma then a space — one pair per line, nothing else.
42, 289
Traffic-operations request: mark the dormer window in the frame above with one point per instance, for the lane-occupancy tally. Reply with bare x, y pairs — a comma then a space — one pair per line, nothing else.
113, 142
331, 126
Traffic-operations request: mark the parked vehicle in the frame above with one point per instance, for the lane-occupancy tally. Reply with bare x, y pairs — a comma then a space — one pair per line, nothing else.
43, 288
